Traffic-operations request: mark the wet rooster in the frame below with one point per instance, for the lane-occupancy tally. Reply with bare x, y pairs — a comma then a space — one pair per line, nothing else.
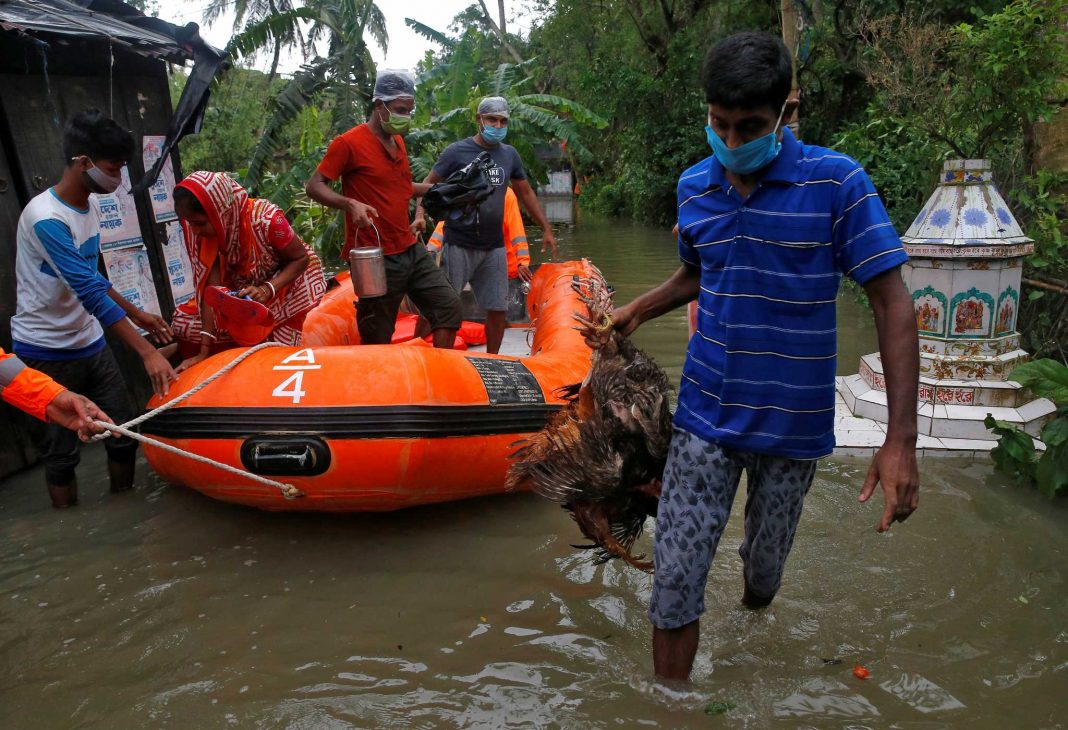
602, 455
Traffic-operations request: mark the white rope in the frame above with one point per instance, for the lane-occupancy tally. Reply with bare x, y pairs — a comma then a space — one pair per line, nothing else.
288, 490
195, 389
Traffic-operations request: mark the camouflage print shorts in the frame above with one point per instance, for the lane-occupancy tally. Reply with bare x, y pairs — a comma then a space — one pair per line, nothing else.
700, 481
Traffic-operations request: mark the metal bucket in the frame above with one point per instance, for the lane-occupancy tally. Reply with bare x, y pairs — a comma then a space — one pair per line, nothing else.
367, 265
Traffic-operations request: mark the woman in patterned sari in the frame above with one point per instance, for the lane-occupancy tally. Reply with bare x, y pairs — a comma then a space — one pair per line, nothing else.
243, 244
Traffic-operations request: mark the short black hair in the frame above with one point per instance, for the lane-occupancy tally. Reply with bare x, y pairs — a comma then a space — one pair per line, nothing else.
91, 133
748, 71
186, 197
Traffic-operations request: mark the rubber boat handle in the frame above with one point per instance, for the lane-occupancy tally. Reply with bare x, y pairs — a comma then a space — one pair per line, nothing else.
286, 455
298, 460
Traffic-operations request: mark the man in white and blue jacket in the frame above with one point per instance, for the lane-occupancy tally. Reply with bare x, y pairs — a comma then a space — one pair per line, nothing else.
64, 303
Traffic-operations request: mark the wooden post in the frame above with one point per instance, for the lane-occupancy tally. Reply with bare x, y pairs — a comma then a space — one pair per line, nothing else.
791, 34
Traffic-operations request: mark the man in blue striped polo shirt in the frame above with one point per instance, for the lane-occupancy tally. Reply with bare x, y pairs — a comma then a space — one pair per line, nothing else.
767, 227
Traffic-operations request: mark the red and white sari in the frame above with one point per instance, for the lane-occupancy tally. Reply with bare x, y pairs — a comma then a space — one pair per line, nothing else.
249, 233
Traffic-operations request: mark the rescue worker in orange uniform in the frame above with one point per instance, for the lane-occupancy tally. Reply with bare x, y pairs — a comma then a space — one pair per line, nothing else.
35, 393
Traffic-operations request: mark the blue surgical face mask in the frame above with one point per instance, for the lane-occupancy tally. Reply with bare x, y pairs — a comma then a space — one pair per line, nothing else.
752, 155
494, 135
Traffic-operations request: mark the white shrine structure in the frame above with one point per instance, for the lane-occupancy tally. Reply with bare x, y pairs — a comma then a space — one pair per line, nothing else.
966, 253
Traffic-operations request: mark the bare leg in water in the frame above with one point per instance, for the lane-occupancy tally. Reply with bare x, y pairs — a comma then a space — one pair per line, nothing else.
674, 650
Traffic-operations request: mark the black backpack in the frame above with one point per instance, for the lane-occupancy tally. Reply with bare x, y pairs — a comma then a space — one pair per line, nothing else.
458, 196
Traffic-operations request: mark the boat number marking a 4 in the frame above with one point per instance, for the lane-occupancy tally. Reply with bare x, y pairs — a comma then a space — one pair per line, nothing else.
293, 386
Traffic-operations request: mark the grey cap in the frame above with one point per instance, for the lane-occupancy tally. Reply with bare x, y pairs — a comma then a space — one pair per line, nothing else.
495, 105
394, 83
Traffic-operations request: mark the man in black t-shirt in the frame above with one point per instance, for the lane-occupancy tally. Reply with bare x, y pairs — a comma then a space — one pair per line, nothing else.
474, 247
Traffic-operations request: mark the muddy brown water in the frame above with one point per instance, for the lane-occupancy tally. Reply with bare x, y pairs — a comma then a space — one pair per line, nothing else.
164, 609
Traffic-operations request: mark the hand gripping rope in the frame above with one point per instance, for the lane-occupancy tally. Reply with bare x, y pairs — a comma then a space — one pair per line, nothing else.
288, 490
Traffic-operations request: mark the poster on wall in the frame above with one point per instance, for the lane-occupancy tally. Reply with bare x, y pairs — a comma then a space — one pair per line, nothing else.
161, 190
119, 227
179, 270
131, 275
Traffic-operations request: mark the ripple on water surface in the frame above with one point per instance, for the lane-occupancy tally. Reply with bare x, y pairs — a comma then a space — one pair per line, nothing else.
162, 608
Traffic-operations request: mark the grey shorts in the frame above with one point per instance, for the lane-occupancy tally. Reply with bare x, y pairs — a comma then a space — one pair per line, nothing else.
486, 270
700, 481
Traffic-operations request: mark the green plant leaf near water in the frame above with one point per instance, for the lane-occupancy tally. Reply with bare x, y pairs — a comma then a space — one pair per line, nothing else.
1051, 474
1055, 433
1015, 453
719, 707
1045, 378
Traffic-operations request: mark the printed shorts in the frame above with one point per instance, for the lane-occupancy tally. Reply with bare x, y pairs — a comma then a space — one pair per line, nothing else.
700, 481
486, 270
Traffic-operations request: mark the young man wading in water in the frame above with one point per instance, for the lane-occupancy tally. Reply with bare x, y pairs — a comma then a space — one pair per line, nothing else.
767, 228
64, 304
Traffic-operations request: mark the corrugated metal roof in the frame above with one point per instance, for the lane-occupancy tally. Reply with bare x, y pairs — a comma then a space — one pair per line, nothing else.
67, 18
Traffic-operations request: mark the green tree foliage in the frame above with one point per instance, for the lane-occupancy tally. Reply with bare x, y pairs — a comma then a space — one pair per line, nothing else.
453, 81
972, 90
637, 64
233, 121
1015, 453
830, 56
339, 82
254, 12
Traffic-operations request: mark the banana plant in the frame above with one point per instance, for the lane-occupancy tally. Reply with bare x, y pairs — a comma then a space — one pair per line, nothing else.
451, 86
341, 80
252, 12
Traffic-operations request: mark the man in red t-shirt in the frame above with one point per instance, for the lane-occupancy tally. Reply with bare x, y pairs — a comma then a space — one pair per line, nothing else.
376, 185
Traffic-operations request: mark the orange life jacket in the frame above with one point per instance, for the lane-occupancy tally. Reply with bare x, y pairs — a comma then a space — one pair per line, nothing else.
25, 388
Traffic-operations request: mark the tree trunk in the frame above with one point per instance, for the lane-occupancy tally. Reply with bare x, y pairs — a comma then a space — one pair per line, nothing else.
487, 19
274, 62
500, 12
790, 36
1050, 139
277, 49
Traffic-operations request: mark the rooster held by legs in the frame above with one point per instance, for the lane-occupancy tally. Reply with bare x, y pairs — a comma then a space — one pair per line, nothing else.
602, 456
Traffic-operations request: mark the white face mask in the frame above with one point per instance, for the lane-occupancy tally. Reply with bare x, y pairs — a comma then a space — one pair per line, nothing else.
99, 181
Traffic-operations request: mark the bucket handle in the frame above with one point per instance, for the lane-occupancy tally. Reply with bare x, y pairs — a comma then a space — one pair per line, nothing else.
377, 235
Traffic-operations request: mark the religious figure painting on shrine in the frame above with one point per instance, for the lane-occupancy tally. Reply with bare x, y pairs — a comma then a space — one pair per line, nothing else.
969, 318
1004, 324
930, 311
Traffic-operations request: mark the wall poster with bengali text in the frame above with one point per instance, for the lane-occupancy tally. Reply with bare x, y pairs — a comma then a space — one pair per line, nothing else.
131, 275
161, 191
123, 249
119, 226
176, 259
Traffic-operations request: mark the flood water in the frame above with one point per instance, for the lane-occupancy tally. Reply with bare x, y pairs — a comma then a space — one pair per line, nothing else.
163, 609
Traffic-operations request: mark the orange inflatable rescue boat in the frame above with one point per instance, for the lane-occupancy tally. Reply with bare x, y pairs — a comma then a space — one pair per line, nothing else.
372, 427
